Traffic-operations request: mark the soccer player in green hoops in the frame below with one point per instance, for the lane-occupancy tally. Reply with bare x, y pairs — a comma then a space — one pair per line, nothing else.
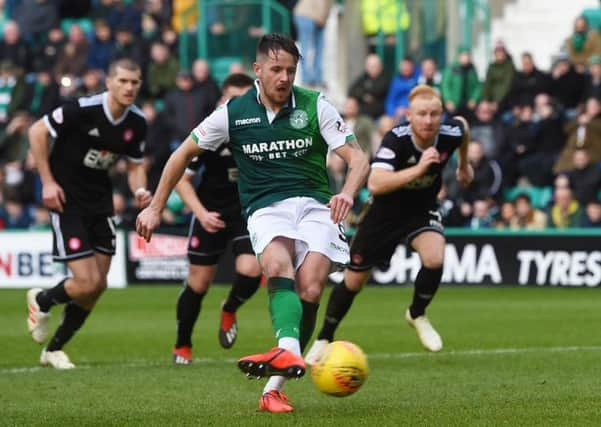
279, 135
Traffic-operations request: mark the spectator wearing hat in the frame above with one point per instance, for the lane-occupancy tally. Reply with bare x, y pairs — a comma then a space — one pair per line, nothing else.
526, 217
460, 85
582, 44
592, 85
567, 85
499, 77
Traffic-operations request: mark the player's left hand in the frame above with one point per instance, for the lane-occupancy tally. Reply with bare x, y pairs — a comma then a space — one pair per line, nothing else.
142, 198
340, 204
465, 175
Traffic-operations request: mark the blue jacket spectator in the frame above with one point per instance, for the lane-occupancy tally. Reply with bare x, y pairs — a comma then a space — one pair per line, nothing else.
102, 46
397, 100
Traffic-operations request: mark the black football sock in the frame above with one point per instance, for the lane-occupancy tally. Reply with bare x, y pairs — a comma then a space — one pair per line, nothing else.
243, 288
53, 296
188, 308
426, 285
73, 317
339, 304
307, 325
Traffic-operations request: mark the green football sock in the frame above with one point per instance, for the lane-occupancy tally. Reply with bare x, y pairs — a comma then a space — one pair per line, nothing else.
285, 307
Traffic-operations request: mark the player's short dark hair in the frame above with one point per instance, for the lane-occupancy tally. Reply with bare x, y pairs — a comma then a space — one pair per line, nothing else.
125, 63
273, 42
239, 80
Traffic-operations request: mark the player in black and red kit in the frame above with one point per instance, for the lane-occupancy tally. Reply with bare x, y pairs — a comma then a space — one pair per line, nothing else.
217, 221
89, 136
405, 180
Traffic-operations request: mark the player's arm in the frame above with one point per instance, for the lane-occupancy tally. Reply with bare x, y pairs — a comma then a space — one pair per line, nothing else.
210, 220
358, 168
136, 178
342, 140
465, 172
389, 172
149, 219
53, 194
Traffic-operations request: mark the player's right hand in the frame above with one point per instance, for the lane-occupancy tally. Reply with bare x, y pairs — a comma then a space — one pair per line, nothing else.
53, 196
211, 221
429, 156
147, 221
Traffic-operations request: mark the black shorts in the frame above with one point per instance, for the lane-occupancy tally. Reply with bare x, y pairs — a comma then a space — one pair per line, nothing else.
205, 248
376, 240
79, 236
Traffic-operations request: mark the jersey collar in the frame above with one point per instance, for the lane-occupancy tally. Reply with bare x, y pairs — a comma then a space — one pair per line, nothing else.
291, 101
417, 147
107, 111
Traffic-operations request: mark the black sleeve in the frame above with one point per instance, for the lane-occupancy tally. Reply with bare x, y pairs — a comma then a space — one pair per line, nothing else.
63, 118
390, 156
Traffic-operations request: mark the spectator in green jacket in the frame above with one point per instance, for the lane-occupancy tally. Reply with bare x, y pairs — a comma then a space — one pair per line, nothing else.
499, 76
460, 85
161, 71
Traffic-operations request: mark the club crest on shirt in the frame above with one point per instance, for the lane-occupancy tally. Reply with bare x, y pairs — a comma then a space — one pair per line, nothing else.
299, 119
128, 135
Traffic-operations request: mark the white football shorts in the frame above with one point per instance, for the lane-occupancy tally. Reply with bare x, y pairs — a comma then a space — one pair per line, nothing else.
307, 222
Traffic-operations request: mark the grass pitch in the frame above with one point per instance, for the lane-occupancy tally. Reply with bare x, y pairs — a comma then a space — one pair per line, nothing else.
512, 356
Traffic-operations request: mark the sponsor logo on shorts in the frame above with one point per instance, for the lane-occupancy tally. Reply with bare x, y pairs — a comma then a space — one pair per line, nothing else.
194, 242
339, 248
357, 259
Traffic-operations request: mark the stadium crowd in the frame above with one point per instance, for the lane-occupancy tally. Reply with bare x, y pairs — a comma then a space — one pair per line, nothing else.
536, 134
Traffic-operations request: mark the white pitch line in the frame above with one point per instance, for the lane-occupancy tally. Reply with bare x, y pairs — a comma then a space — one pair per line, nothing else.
144, 363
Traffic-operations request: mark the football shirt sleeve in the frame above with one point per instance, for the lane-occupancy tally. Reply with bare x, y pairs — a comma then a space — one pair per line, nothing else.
332, 127
213, 131
61, 118
388, 156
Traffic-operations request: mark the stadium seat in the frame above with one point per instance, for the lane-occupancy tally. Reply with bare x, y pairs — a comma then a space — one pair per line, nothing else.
86, 25
220, 67
539, 196
593, 16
